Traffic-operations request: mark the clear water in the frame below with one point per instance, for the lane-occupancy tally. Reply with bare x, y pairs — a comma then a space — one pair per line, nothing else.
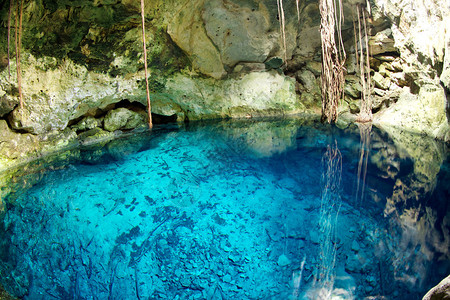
231, 210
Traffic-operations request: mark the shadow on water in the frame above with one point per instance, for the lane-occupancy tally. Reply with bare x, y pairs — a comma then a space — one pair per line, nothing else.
279, 209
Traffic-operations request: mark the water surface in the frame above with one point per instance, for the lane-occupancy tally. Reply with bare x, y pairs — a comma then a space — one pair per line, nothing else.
243, 210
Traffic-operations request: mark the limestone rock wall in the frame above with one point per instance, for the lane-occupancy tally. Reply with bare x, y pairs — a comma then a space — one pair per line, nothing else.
216, 59
419, 31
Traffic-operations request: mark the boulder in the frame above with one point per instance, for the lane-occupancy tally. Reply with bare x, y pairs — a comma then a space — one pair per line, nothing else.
283, 261
381, 81
422, 113
94, 136
352, 86
57, 140
87, 123
440, 292
382, 42
315, 67
123, 118
307, 78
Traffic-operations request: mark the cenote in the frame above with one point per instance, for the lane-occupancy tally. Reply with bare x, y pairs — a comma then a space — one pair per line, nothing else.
279, 209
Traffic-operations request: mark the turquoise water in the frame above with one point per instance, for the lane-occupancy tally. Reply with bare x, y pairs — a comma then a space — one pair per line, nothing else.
231, 210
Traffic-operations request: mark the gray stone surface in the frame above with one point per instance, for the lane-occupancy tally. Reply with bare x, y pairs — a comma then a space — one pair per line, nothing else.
440, 292
122, 118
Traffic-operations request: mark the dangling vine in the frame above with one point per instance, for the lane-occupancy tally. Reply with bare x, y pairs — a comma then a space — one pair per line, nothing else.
9, 36
149, 107
363, 65
332, 59
282, 26
18, 45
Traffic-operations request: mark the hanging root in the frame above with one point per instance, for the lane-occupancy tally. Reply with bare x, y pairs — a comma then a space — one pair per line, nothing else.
149, 107
282, 26
332, 60
18, 45
365, 114
9, 36
365, 130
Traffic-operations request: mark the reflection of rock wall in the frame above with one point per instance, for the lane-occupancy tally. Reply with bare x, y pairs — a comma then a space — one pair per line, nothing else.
263, 139
423, 232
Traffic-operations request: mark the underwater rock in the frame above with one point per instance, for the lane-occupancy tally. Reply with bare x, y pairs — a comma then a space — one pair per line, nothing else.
283, 261
355, 246
356, 263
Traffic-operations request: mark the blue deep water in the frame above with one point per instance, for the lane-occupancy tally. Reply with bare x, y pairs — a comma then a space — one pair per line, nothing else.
277, 209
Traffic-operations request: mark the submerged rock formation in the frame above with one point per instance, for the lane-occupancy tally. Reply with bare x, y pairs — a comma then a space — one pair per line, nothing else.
215, 59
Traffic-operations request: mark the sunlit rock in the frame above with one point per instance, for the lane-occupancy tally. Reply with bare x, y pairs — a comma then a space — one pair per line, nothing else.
188, 32
240, 32
254, 94
15, 145
55, 94
440, 292
422, 113
380, 81
58, 140
382, 42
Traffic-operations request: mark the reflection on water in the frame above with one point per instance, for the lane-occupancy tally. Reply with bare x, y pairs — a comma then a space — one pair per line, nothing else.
330, 205
365, 130
252, 210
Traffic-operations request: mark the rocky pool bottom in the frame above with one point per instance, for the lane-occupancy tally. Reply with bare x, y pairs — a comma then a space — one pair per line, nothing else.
243, 210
